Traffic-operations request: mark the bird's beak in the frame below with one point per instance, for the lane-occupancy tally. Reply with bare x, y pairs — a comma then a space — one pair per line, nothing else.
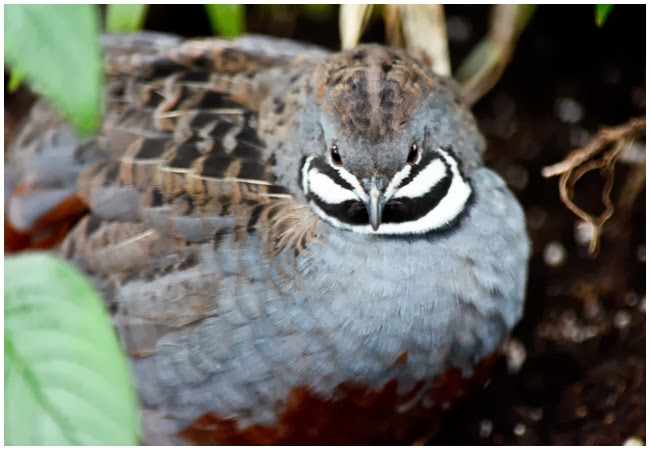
376, 200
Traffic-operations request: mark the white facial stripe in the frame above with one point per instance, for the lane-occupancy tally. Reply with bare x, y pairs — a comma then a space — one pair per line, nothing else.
444, 213
397, 180
305, 174
327, 189
354, 182
307, 180
417, 161
424, 181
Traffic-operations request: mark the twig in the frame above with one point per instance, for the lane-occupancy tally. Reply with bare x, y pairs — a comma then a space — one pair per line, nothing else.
610, 141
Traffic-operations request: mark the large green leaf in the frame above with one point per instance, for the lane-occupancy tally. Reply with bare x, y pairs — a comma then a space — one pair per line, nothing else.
66, 379
125, 17
227, 20
56, 48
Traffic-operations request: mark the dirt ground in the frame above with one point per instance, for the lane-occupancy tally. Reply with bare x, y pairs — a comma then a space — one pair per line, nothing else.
575, 368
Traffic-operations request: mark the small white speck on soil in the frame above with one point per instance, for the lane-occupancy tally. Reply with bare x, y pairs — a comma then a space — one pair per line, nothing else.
519, 429
554, 254
622, 319
569, 110
485, 428
515, 355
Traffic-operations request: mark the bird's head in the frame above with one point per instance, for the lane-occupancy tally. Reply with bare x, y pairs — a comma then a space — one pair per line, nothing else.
387, 162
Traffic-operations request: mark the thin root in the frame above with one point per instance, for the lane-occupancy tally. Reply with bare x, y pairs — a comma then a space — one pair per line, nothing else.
609, 142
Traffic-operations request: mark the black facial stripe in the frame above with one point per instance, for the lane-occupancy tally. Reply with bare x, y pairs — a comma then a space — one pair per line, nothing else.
406, 209
444, 230
351, 211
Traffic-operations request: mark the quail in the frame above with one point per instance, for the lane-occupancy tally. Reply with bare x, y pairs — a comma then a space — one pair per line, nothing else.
296, 246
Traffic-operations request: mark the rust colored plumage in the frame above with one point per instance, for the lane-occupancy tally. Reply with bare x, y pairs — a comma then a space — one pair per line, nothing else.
50, 230
355, 415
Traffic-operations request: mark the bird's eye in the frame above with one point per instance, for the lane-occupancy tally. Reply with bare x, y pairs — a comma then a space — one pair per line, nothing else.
336, 157
413, 155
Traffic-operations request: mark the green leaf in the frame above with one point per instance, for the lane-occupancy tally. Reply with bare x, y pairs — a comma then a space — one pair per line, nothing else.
66, 379
122, 18
226, 20
57, 49
602, 13
15, 80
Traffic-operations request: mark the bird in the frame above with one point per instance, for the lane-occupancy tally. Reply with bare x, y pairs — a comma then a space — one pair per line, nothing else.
296, 246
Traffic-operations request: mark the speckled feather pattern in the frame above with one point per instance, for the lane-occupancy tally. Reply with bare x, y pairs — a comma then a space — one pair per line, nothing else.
227, 290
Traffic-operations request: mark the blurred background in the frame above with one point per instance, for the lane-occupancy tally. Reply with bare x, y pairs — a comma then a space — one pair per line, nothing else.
574, 372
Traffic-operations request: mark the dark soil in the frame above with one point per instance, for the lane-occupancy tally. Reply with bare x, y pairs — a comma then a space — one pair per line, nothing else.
575, 368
